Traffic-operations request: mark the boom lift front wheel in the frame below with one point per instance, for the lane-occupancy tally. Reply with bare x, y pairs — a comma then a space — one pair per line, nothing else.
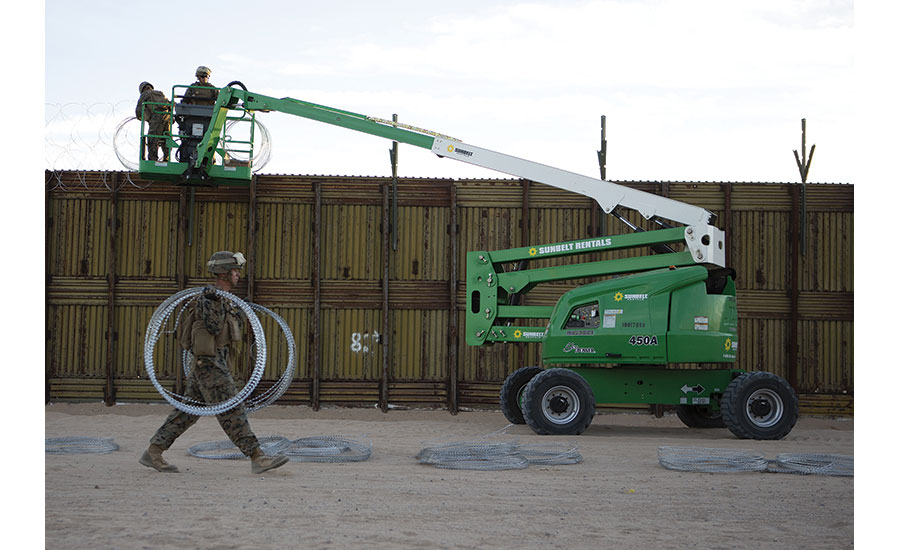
558, 402
511, 393
759, 405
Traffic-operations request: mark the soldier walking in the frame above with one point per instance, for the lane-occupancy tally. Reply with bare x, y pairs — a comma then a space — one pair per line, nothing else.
209, 330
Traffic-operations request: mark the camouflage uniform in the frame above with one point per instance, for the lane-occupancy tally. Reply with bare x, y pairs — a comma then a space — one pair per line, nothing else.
157, 118
203, 94
209, 330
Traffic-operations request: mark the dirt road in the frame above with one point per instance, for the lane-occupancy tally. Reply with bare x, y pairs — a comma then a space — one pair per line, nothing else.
618, 497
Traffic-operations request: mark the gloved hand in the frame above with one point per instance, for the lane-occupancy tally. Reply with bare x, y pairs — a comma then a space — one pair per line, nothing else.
209, 292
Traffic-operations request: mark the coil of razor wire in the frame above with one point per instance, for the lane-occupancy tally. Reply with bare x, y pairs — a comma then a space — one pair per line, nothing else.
813, 463
693, 459
487, 453
277, 390
261, 153
80, 445
474, 455
226, 450
328, 449
550, 454
154, 328
126, 142
272, 394
304, 449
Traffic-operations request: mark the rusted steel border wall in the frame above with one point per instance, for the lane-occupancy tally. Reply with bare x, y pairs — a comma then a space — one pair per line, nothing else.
319, 251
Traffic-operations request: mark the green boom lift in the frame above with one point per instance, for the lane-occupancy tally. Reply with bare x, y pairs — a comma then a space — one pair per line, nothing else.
619, 340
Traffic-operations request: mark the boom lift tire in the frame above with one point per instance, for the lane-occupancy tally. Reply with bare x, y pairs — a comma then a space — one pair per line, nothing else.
699, 416
558, 402
511, 393
759, 405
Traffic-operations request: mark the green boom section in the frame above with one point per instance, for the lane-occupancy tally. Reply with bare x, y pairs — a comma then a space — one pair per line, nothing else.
229, 98
581, 246
490, 289
336, 117
205, 170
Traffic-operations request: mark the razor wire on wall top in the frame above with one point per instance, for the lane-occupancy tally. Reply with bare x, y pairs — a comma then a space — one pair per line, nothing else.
106, 137
78, 136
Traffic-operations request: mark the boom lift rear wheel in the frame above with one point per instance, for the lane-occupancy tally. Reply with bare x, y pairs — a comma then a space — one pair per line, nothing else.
558, 402
511, 393
759, 405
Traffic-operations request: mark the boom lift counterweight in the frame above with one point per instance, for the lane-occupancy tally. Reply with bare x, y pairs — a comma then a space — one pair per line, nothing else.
610, 341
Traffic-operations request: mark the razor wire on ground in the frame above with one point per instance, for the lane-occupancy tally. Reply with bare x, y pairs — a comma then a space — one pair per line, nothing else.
328, 448
489, 454
80, 445
158, 325
813, 463
102, 137
695, 459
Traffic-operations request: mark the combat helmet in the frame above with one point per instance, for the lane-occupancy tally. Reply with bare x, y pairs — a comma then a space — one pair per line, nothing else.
225, 261
143, 85
203, 71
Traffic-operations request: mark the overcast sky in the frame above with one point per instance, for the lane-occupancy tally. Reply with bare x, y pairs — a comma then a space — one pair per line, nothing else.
691, 89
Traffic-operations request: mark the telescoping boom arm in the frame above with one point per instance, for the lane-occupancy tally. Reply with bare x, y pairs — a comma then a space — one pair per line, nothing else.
704, 241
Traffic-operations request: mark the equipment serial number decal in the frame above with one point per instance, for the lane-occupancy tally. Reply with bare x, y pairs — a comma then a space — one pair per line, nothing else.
643, 341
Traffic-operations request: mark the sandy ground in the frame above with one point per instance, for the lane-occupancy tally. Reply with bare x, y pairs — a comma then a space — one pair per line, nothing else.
618, 497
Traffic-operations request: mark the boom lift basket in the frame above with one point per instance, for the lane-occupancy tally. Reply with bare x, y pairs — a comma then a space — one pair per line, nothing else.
231, 142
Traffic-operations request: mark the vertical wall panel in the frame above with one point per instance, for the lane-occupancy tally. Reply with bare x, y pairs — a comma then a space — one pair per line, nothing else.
147, 238
350, 348
420, 347
352, 245
131, 325
283, 241
828, 264
760, 241
422, 245
827, 362
763, 345
297, 320
216, 226
77, 340
78, 237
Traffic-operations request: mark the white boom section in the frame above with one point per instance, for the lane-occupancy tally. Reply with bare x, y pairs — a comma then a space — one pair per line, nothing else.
706, 242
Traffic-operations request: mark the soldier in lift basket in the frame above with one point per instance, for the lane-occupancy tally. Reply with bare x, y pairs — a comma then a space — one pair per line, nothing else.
201, 92
152, 107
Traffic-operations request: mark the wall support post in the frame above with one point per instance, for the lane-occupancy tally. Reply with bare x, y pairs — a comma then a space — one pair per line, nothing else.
453, 340
109, 391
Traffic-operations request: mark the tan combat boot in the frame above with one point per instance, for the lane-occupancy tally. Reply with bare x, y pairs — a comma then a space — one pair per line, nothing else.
152, 458
261, 463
